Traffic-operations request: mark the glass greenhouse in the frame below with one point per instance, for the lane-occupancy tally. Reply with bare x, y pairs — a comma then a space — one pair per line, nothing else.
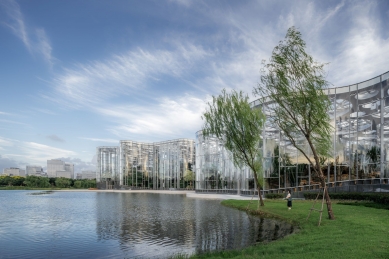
360, 118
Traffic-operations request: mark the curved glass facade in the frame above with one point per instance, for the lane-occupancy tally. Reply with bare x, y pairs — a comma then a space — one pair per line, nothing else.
360, 118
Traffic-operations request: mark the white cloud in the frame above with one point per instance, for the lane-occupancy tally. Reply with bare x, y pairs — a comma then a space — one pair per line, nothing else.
34, 153
5, 142
364, 52
94, 82
173, 118
35, 39
5, 113
102, 140
197, 66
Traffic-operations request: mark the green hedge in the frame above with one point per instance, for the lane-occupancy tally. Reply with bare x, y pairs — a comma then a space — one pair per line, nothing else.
381, 198
274, 196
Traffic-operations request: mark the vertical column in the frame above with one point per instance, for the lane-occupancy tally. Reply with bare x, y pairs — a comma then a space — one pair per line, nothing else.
382, 120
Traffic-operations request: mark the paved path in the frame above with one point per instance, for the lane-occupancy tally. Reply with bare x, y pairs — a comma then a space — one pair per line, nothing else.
189, 194
218, 196
130, 191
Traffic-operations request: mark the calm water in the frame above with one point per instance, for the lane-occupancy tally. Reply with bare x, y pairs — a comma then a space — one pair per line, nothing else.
36, 224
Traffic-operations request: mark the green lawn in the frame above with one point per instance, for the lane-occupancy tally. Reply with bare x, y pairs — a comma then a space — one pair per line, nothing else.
357, 232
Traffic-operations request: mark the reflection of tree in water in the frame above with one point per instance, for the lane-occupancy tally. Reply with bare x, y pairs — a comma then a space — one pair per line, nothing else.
266, 230
167, 224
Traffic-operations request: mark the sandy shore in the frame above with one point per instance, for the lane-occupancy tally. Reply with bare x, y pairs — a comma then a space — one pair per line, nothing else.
189, 194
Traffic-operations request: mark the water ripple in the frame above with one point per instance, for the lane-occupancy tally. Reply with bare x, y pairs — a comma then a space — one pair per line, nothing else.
123, 225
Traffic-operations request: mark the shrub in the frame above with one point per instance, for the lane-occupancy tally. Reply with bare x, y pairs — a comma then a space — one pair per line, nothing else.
274, 196
381, 198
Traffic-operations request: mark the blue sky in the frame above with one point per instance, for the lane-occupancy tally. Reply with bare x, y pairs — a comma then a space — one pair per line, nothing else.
75, 75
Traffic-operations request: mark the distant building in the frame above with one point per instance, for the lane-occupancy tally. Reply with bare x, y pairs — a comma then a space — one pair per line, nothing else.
86, 175
58, 168
35, 171
14, 171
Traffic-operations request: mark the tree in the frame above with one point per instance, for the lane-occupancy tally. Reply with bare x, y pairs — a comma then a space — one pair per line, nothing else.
62, 182
189, 176
77, 184
230, 119
37, 181
294, 83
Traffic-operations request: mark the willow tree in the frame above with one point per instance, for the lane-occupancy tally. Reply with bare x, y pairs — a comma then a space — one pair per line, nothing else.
294, 83
230, 118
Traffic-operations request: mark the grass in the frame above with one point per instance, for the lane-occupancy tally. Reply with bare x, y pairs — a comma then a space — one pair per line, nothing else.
357, 232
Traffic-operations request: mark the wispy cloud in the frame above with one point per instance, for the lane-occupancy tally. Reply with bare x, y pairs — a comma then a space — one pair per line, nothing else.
171, 118
40, 153
364, 52
93, 82
55, 138
6, 142
197, 66
14, 122
102, 140
45, 111
5, 113
34, 39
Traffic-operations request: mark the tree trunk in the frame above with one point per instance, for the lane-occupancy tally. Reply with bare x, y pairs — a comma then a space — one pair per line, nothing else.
326, 196
322, 181
259, 189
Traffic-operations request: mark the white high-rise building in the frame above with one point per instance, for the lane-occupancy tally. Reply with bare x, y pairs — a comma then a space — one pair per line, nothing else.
58, 168
34, 170
13, 171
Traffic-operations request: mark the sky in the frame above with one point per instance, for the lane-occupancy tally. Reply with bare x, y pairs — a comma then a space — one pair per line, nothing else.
75, 75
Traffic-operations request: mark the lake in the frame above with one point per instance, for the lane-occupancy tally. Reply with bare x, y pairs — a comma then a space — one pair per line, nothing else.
39, 224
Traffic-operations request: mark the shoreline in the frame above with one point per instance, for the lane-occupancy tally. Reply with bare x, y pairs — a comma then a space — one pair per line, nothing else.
188, 193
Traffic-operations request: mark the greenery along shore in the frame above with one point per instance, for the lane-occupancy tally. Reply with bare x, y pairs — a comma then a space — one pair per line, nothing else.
19, 182
357, 232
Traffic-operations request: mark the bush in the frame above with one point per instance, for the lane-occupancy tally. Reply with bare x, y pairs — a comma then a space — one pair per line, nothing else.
381, 198
274, 196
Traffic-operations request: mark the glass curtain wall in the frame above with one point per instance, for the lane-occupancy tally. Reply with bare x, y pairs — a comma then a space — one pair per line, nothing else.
174, 161
360, 146
107, 175
215, 169
137, 163
160, 165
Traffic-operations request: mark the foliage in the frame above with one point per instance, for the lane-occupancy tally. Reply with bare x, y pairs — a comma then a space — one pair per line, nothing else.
374, 155
62, 182
189, 176
36, 181
274, 196
230, 119
11, 180
32, 181
294, 85
382, 198
84, 183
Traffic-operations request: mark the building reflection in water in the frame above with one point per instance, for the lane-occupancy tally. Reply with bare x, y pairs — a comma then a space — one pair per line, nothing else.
161, 225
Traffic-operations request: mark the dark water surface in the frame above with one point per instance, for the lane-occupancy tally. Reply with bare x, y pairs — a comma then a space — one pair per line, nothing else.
35, 224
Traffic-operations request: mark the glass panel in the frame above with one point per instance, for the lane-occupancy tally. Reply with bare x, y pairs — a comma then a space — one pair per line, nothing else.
385, 76
368, 83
